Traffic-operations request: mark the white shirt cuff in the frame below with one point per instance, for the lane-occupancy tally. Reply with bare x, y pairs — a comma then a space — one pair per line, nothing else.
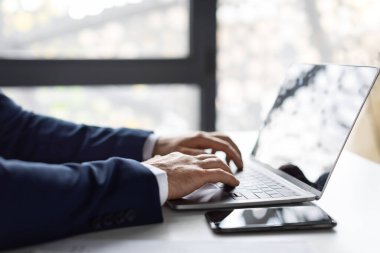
162, 181
149, 146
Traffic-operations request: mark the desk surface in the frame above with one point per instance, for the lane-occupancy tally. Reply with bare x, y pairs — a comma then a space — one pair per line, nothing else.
351, 198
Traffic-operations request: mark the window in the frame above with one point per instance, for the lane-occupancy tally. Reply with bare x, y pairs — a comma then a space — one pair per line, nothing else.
127, 42
94, 29
258, 40
167, 109
114, 42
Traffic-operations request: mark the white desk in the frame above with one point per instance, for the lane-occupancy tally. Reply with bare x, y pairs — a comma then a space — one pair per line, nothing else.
352, 198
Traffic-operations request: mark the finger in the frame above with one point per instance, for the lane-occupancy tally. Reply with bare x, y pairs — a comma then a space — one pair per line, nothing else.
231, 153
208, 141
206, 156
227, 139
191, 151
228, 160
212, 163
219, 175
233, 144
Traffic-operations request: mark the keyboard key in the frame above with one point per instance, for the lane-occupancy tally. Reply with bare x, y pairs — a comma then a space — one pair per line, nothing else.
276, 195
270, 192
249, 194
236, 194
239, 197
253, 184
263, 195
286, 193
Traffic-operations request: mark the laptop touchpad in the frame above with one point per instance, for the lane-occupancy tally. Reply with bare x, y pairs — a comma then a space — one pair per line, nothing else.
207, 193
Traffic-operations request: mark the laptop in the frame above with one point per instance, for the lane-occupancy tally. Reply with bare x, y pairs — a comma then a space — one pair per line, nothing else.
300, 141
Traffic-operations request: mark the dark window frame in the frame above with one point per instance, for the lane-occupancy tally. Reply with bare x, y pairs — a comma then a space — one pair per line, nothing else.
198, 68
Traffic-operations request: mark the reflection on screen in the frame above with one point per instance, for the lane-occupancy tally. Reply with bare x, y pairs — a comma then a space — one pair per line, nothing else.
311, 119
270, 216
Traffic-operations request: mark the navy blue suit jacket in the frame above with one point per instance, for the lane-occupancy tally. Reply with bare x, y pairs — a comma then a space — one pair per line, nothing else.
58, 178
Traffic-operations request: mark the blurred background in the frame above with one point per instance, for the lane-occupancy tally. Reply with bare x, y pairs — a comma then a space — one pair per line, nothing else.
256, 42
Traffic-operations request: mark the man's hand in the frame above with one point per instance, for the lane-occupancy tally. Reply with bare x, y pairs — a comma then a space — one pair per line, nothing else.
188, 173
197, 143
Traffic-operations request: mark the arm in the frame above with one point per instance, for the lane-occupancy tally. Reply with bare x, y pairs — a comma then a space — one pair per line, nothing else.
30, 137
41, 202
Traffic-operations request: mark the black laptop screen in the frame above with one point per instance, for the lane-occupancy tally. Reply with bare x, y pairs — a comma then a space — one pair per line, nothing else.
311, 118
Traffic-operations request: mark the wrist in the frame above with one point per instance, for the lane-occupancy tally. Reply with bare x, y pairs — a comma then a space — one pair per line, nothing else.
162, 146
162, 181
156, 147
149, 145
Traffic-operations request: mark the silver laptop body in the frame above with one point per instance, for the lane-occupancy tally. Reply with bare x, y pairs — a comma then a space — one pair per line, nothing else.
300, 141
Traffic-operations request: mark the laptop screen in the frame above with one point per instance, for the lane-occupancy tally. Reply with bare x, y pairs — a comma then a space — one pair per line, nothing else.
311, 119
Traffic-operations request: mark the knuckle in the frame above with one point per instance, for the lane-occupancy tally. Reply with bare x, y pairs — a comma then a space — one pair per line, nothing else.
180, 154
188, 159
228, 139
229, 145
218, 161
200, 156
210, 156
224, 145
179, 150
223, 136
199, 134
211, 160
201, 173
192, 159
197, 162
219, 171
177, 155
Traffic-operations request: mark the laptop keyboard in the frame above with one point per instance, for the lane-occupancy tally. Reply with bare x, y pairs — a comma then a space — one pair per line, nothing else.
255, 185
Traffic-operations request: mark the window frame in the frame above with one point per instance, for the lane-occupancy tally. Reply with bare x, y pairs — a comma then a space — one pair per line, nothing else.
198, 68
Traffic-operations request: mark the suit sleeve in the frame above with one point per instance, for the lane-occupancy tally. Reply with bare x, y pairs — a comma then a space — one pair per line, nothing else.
42, 202
30, 137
